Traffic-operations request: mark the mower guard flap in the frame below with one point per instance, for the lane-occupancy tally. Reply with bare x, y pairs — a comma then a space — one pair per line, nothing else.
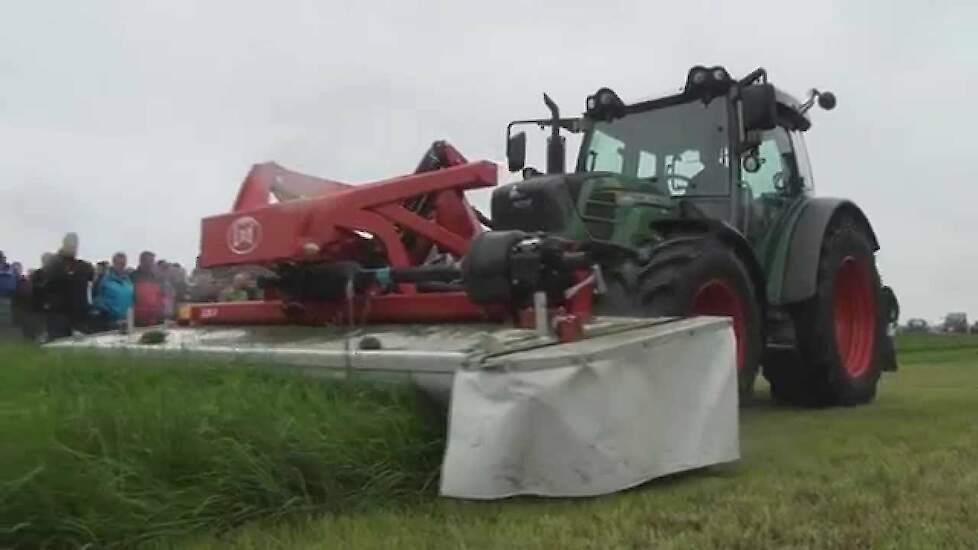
595, 416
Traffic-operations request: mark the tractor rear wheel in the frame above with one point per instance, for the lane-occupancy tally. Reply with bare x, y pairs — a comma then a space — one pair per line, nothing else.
839, 332
698, 275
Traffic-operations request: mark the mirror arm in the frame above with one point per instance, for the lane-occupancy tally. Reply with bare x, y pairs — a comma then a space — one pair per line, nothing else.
810, 102
758, 73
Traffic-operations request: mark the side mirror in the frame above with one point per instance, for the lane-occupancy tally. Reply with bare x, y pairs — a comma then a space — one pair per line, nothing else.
758, 107
516, 152
752, 162
826, 100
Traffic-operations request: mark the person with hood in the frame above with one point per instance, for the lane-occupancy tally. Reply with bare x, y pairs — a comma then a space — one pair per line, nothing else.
66, 290
114, 295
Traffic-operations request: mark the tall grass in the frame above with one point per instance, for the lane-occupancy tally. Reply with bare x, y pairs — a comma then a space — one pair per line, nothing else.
936, 349
114, 452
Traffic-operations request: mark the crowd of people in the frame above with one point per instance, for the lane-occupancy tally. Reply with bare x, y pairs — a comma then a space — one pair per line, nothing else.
67, 295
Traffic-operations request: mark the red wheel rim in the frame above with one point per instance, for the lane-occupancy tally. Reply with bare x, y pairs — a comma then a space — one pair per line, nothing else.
717, 298
854, 315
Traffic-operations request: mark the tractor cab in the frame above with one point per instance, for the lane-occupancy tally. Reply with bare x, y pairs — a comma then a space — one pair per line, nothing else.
721, 149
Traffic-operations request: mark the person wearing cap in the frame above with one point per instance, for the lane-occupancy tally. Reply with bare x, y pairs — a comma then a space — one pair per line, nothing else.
66, 290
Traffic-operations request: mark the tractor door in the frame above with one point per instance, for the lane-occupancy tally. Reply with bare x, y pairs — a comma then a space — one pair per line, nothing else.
773, 186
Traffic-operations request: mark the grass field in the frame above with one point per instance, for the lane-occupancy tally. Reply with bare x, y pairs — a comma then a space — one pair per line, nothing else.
900, 473
108, 453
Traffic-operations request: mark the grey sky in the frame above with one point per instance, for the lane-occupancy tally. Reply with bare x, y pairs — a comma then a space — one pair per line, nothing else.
129, 121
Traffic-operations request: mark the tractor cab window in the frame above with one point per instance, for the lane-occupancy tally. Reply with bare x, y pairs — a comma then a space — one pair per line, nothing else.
606, 153
801, 154
681, 147
774, 174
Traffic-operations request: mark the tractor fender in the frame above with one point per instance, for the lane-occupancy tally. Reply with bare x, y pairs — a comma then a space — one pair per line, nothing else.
803, 239
729, 236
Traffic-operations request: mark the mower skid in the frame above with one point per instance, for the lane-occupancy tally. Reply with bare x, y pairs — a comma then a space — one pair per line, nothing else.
633, 400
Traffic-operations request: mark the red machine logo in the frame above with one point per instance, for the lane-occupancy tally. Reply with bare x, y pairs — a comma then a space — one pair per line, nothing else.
244, 235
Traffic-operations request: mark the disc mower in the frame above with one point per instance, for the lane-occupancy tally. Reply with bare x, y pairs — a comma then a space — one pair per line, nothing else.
600, 327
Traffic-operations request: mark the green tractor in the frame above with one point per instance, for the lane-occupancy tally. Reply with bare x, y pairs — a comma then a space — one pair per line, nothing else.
702, 203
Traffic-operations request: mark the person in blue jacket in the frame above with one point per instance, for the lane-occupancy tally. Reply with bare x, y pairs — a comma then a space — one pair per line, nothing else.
8, 286
8, 281
114, 295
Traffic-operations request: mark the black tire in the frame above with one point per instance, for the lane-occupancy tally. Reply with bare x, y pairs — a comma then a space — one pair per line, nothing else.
673, 282
839, 349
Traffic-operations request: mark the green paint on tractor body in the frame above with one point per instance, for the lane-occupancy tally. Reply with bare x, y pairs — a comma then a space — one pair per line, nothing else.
686, 159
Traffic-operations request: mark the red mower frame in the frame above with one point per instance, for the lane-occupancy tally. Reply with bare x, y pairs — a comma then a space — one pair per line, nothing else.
337, 223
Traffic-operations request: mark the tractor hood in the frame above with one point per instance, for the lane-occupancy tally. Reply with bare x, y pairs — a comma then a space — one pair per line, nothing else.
599, 206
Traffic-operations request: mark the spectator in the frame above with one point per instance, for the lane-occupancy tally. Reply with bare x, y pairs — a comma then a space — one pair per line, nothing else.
238, 291
66, 290
39, 305
169, 298
101, 269
203, 287
22, 312
114, 295
180, 282
8, 281
8, 286
148, 292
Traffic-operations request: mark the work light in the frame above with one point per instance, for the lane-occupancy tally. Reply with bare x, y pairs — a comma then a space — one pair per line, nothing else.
605, 105
707, 80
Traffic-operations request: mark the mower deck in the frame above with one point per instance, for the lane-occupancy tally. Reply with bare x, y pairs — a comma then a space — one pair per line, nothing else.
633, 400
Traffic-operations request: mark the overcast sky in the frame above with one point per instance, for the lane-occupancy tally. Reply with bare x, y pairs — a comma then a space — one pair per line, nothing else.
128, 121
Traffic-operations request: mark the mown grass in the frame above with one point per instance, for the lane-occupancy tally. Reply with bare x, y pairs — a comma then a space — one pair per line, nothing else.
122, 451
900, 473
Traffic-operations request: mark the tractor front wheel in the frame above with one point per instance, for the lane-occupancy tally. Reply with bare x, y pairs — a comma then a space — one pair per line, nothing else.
699, 275
839, 331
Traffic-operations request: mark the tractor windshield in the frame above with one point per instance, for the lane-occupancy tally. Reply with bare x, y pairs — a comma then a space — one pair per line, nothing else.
681, 147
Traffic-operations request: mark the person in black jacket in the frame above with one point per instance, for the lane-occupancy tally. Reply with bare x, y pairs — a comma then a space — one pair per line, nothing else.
39, 306
66, 290
23, 314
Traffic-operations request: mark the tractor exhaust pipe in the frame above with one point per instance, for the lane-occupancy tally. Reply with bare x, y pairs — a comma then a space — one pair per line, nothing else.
555, 143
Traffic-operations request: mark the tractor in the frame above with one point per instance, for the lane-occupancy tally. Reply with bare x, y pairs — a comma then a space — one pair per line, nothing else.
702, 203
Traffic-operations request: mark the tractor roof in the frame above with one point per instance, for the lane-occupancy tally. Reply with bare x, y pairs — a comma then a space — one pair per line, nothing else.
715, 81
